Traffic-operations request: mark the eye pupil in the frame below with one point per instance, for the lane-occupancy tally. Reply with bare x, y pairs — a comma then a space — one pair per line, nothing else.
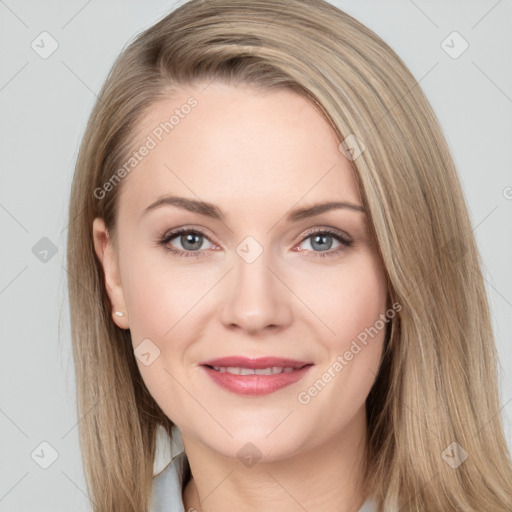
323, 245
189, 238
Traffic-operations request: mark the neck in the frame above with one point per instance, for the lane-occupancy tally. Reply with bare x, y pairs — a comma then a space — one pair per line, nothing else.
326, 477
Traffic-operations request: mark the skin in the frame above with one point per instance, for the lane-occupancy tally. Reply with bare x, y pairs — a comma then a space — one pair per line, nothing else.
256, 155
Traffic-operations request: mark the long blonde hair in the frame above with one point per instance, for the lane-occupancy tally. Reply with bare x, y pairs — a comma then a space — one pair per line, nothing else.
437, 384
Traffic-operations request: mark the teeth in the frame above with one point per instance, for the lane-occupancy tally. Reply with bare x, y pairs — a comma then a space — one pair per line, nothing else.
250, 371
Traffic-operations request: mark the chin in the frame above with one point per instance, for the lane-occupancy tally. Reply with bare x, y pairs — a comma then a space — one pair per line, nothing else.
256, 445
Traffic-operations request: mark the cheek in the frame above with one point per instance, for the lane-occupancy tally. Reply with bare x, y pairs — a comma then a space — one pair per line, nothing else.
352, 308
160, 294
354, 297
161, 297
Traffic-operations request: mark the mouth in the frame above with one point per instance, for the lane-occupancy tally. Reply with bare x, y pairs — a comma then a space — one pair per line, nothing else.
239, 370
245, 376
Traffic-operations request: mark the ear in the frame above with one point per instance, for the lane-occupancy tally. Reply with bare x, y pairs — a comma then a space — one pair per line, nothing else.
108, 259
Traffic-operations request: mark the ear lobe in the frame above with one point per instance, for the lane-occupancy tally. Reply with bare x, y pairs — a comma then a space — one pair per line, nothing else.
107, 257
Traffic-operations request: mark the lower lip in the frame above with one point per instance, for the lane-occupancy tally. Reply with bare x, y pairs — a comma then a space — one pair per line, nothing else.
255, 384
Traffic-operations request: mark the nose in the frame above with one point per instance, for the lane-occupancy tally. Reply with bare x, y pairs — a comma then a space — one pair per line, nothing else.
256, 297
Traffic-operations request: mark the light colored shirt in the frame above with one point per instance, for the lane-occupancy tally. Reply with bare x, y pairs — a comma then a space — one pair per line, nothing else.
168, 484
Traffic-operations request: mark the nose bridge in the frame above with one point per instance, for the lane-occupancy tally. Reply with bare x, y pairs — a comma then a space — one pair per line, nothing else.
252, 274
255, 297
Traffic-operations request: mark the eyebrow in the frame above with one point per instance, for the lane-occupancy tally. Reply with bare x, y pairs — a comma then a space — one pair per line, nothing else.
210, 210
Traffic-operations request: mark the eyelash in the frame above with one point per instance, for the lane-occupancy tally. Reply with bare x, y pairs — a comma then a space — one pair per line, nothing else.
171, 235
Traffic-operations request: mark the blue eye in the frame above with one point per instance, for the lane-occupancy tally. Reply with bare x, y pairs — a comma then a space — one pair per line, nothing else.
320, 239
191, 240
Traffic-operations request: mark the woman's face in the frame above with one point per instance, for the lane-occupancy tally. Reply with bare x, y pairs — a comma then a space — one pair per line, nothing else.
253, 275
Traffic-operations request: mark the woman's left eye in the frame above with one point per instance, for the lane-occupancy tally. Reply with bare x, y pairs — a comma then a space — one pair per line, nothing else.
320, 238
191, 240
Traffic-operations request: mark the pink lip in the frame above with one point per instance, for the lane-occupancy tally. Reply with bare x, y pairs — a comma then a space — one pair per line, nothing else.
259, 362
255, 384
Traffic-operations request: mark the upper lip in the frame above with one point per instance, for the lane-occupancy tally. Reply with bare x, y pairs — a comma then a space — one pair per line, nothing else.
257, 363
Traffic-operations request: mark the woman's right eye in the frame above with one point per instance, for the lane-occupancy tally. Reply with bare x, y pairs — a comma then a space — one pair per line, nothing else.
190, 240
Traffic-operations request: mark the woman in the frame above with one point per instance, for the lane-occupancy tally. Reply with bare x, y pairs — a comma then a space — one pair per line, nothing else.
324, 342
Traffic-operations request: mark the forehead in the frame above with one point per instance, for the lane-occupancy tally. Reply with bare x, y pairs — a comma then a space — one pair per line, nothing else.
237, 146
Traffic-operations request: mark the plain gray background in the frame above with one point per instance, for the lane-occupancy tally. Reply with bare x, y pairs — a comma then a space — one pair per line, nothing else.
45, 104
